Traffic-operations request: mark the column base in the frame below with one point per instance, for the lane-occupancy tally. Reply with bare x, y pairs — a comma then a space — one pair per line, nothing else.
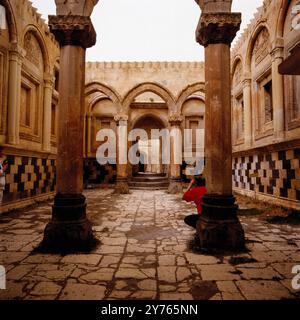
69, 230
175, 186
122, 186
219, 228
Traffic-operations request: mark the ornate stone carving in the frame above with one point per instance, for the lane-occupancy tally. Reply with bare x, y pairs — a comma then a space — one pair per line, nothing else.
215, 5
73, 30
75, 7
218, 28
175, 119
33, 50
261, 46
121, 117
237, 77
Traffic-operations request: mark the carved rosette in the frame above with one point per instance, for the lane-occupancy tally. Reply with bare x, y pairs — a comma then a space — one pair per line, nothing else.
73, 30
175, 120
216, 28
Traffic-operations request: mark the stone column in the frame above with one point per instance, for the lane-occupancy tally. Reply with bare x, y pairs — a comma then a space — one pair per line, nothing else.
48, 87
122, 186
89, 135
175, 177
16, 56
247, 112
69, 229
218, 227
278, 93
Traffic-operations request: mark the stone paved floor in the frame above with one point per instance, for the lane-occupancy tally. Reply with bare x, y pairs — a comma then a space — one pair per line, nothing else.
145, 254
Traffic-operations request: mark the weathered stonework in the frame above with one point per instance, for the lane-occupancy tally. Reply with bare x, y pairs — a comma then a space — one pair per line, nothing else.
218, 28
30, 62
266, 135
73, 30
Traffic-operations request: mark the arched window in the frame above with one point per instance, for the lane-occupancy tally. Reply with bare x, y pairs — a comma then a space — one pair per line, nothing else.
4, 44
32, 83
261, 69
291, 36
238, 104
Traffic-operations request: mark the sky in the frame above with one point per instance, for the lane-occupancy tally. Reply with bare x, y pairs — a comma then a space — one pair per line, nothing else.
148, 30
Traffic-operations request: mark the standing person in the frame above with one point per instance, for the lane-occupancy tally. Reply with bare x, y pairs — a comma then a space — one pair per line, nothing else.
195, 192
3, 169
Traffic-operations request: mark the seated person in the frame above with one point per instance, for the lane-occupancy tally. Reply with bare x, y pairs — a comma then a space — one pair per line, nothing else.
195, 194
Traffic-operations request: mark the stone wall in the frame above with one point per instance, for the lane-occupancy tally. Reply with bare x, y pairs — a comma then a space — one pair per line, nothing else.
272, 176
29, 72
266, 107
28, 177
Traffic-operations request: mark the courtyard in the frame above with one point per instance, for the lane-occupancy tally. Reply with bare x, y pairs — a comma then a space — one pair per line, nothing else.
146, 252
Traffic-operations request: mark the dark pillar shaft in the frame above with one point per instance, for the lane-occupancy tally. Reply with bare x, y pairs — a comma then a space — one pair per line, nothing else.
218, 227
69, 228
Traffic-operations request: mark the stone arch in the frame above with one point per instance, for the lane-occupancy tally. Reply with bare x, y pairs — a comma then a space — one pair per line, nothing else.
156, 88
259, 28
97, 87
149, 115
40, 39
285, 4
11, 21
187, 92
236, 61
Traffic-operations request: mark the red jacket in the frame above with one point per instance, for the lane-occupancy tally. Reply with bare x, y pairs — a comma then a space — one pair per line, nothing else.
195, 195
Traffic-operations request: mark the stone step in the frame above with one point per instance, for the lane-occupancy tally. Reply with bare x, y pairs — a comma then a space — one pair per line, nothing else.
150, 174
150, 188
149, 179
149, 184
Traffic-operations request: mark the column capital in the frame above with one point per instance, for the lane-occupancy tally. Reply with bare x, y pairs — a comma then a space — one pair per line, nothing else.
73, 30
175, 119
277, 53
215, 5
17, 50
48, 80
75, 7
121, 118
214, 28
246, 82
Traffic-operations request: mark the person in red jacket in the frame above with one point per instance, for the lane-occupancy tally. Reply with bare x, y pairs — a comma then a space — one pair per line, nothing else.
195, 193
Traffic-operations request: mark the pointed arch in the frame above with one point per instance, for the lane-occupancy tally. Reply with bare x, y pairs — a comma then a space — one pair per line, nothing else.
187, 92
11, 21
259, 27
97, 87
156, 88
285, 4
39, 37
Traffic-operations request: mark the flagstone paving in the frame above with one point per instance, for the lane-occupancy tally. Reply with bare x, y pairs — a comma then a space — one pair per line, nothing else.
145, 253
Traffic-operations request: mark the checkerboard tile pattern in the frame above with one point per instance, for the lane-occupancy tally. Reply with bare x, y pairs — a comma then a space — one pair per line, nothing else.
28, 176
101, 173
276, 173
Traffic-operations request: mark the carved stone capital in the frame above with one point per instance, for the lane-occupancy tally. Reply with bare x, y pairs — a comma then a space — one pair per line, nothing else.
215, 5
216, 28
48, 80
73, 30
16, 50
121, 118
246, 82
75, 7
175, 119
